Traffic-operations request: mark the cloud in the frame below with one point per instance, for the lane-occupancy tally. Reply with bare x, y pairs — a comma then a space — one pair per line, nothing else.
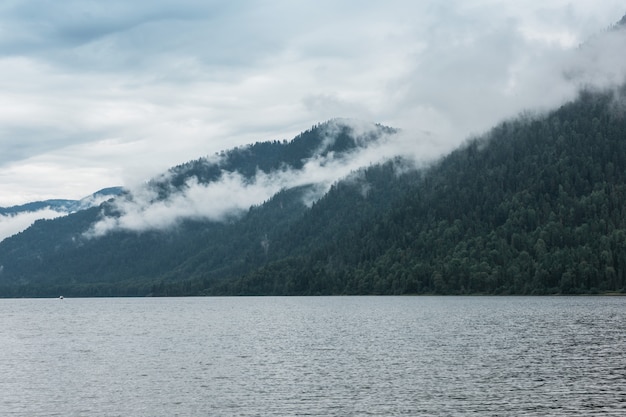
232, 195
20, 218
132, 88
215, 201
466, 80
15, 223
597, 64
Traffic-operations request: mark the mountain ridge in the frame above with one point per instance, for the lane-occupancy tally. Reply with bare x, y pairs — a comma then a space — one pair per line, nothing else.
532, 207
89, 260
524, 223
63, 205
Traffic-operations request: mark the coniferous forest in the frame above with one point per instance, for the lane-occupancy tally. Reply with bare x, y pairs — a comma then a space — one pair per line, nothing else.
537, 205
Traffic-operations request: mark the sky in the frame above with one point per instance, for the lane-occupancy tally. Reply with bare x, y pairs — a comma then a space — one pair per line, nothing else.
96, 94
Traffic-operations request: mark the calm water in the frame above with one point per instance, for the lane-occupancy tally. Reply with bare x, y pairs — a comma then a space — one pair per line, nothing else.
319, 356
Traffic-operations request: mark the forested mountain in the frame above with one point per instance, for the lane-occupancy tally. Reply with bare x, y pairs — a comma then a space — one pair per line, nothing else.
66, 256
534, 206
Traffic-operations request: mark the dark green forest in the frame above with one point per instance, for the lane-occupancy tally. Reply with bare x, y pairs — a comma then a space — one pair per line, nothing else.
534, 206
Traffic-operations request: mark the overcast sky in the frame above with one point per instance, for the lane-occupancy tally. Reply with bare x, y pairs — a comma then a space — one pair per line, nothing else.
101, 93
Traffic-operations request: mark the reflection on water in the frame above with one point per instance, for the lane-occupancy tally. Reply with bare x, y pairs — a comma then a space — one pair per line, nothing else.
320, 356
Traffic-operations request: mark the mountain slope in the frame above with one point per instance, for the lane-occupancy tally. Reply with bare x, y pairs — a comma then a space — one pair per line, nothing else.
64, 206
104, 251
18, 218
535, 206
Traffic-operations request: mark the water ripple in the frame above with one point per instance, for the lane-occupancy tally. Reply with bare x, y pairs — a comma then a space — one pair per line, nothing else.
323, 356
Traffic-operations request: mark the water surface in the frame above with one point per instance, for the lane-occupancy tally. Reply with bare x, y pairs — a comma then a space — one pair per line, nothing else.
314, 356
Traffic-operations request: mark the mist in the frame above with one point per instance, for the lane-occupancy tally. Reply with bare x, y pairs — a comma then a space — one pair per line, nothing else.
14, 223
233, 194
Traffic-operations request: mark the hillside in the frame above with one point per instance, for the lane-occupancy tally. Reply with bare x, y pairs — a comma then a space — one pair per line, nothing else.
534, 206
100, 251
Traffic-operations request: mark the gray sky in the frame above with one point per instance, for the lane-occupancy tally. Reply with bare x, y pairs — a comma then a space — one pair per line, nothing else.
102, 93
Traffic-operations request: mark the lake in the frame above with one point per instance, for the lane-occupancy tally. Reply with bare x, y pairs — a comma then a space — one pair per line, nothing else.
313, 356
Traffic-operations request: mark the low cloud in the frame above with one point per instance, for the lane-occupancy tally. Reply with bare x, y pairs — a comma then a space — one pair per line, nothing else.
465, 81
20, 218
14, 223
598, 62
233, 194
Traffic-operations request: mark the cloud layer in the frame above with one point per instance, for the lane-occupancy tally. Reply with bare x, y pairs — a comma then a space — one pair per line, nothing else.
15, 223
233, 194
96, 94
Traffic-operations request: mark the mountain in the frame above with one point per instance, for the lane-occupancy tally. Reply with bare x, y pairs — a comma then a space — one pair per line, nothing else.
534, 206
18, 218
114, 250
64, 206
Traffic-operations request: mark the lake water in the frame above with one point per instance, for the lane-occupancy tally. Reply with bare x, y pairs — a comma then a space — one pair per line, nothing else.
313, 356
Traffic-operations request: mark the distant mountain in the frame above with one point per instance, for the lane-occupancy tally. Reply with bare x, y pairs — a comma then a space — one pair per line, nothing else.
56, 205
64, 206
